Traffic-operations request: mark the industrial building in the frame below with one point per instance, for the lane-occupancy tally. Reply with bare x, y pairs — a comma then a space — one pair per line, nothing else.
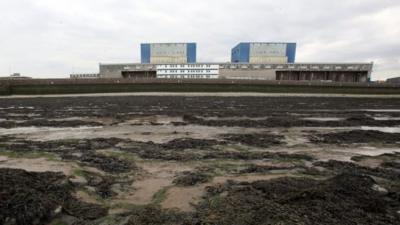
15, 76
251, 61
336, 72
171, 53
263, 52
395, 80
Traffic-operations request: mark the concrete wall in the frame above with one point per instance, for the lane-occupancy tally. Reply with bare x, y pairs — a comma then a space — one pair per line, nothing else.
333, 76
247, 74
268, 59
115, 70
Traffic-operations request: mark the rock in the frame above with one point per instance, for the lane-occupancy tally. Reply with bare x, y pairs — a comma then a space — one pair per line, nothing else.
78, 180
58, 210
378, 188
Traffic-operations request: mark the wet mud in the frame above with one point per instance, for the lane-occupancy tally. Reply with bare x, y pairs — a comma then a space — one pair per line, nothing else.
357, 136
34, 198
199, 160
257, 140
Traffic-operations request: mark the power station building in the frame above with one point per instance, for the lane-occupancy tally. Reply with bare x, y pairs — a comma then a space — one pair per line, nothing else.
161, 53
264, 52
252, 61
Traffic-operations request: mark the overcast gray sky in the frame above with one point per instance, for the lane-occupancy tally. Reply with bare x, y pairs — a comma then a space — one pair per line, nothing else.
53, 38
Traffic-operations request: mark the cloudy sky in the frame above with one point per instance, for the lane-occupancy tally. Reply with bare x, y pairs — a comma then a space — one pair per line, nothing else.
53, 38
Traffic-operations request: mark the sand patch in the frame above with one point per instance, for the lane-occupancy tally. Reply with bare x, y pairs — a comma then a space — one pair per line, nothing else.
143, 191
38, 165
183, 197
370, 162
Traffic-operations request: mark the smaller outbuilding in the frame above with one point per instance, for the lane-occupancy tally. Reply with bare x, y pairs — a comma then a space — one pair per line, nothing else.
15, 76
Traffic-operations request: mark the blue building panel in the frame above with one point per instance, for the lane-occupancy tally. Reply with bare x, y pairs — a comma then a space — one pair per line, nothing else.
291, 52
241, 53
191, 52
145, 53
235, 53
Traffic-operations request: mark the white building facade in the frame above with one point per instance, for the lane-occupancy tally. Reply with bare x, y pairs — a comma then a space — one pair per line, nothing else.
188, 71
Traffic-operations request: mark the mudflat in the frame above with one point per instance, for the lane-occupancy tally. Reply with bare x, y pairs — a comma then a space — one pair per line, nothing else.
200, 160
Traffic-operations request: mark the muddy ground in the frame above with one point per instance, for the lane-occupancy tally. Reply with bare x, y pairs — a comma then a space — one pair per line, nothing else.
199, 160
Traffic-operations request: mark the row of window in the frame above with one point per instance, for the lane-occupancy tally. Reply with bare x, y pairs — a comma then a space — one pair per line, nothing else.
187, 65
188, 77
83, 75
169, 53
184, 71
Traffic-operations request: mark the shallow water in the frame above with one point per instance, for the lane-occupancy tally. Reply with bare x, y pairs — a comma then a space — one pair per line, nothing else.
157, 134
386, 118
234, 118
324, 119
74, 131
383, 129
381, 110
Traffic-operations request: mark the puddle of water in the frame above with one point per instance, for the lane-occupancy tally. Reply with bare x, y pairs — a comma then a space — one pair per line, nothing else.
104, 120
158, 119
331, 154
383, 129
386, 118
69, 119
345, 154
144, 133
47, 130
381, 110
376, 151
23, 114
324, 119
20, 107
234, 118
